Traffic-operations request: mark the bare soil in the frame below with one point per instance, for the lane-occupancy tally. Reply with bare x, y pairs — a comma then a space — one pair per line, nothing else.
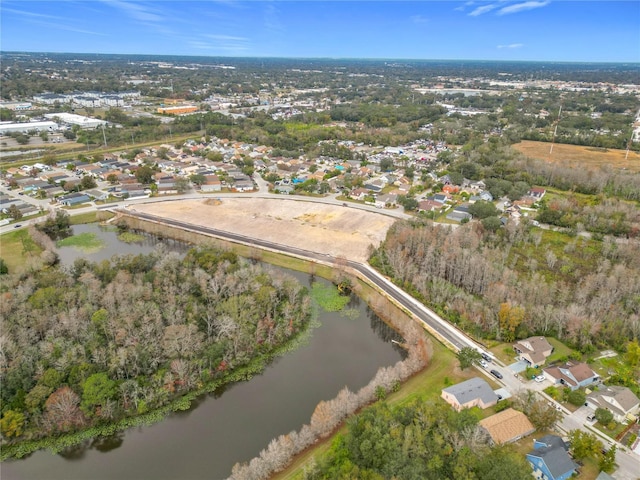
322, 228
584, 157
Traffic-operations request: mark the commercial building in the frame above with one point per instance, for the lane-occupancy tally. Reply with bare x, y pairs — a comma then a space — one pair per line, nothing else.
9, 127
177, 110
73, 119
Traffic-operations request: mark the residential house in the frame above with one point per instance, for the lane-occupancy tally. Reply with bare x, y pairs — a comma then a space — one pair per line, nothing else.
474, 392
533, 350
550, 459
572, 374
458, 214
486, 196
73, 199
131, 190
451, 189
429, 206
620, 401
507, 426
439, 197
537, 192
359, 193
211, 184
386, 200
98, 194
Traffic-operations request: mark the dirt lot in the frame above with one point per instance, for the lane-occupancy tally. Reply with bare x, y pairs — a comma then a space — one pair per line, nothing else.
585, 157
334, 230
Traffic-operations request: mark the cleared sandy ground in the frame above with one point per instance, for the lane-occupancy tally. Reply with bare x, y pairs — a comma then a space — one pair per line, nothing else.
322, 228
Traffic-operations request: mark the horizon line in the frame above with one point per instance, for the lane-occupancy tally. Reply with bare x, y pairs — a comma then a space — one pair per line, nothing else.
633, 62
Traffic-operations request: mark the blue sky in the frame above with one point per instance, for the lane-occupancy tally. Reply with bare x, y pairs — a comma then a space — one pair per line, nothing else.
547, 30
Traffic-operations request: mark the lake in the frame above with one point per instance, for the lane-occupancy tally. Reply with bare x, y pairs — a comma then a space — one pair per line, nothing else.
233, 424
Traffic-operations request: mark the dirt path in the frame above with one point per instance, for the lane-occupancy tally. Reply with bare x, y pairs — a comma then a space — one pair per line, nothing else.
322, 228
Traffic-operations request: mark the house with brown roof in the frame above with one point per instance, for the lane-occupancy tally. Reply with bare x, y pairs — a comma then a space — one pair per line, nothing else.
618, 400
533, 350
507, 426
572, 374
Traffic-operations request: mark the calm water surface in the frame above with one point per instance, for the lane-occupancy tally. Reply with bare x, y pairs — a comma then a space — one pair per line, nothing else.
232, 425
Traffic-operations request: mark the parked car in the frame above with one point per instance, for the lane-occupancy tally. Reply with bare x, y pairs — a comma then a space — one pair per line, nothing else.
486, 357
591, 417
496, 373
539, 378
483, 364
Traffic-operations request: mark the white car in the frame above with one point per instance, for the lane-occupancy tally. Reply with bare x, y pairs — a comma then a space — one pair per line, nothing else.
484, 364
540, 378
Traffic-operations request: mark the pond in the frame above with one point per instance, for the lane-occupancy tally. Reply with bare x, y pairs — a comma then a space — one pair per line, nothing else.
233, 424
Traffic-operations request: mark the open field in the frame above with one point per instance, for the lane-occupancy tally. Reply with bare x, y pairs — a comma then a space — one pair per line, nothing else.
584, 157
16, 248
329, 229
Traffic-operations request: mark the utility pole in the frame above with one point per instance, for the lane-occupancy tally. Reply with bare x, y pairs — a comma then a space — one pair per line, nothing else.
104, 136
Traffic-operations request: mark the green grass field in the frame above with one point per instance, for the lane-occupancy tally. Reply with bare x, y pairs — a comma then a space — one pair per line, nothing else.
16, 247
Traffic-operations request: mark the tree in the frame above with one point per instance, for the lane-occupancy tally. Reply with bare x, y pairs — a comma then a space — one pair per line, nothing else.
467, 356
197, 179
112, 178
542, 415
633, 353
3, 267
87, 182
584, 445
14, 212
386, 164
483, 209
12, 423
61, 410
56, 226
576, 397
509, 318
604, 416
182, 184
97, 390
145, 174
608, 460
492, 224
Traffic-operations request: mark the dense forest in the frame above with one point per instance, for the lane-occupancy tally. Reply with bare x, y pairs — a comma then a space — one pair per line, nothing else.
519, 281
422, 440
98, 342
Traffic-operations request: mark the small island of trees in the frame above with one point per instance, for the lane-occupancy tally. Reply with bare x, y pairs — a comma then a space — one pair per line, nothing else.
98, 343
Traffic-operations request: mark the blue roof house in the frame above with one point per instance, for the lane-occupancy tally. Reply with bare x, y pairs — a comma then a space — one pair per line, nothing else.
550, 460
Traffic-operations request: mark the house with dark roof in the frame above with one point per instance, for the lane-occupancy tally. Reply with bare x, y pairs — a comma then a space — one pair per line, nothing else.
620, 401
572, 374
474, 392
73, 199
550, 459
533, 350
459, 214
507, 426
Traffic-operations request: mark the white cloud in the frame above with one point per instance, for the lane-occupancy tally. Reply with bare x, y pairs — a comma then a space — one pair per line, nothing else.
483, 9
30, 14
419, 19
137, 11
512, 45
521, 7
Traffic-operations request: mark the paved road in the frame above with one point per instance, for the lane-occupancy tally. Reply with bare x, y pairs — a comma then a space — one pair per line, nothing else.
447, 333
629, 463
